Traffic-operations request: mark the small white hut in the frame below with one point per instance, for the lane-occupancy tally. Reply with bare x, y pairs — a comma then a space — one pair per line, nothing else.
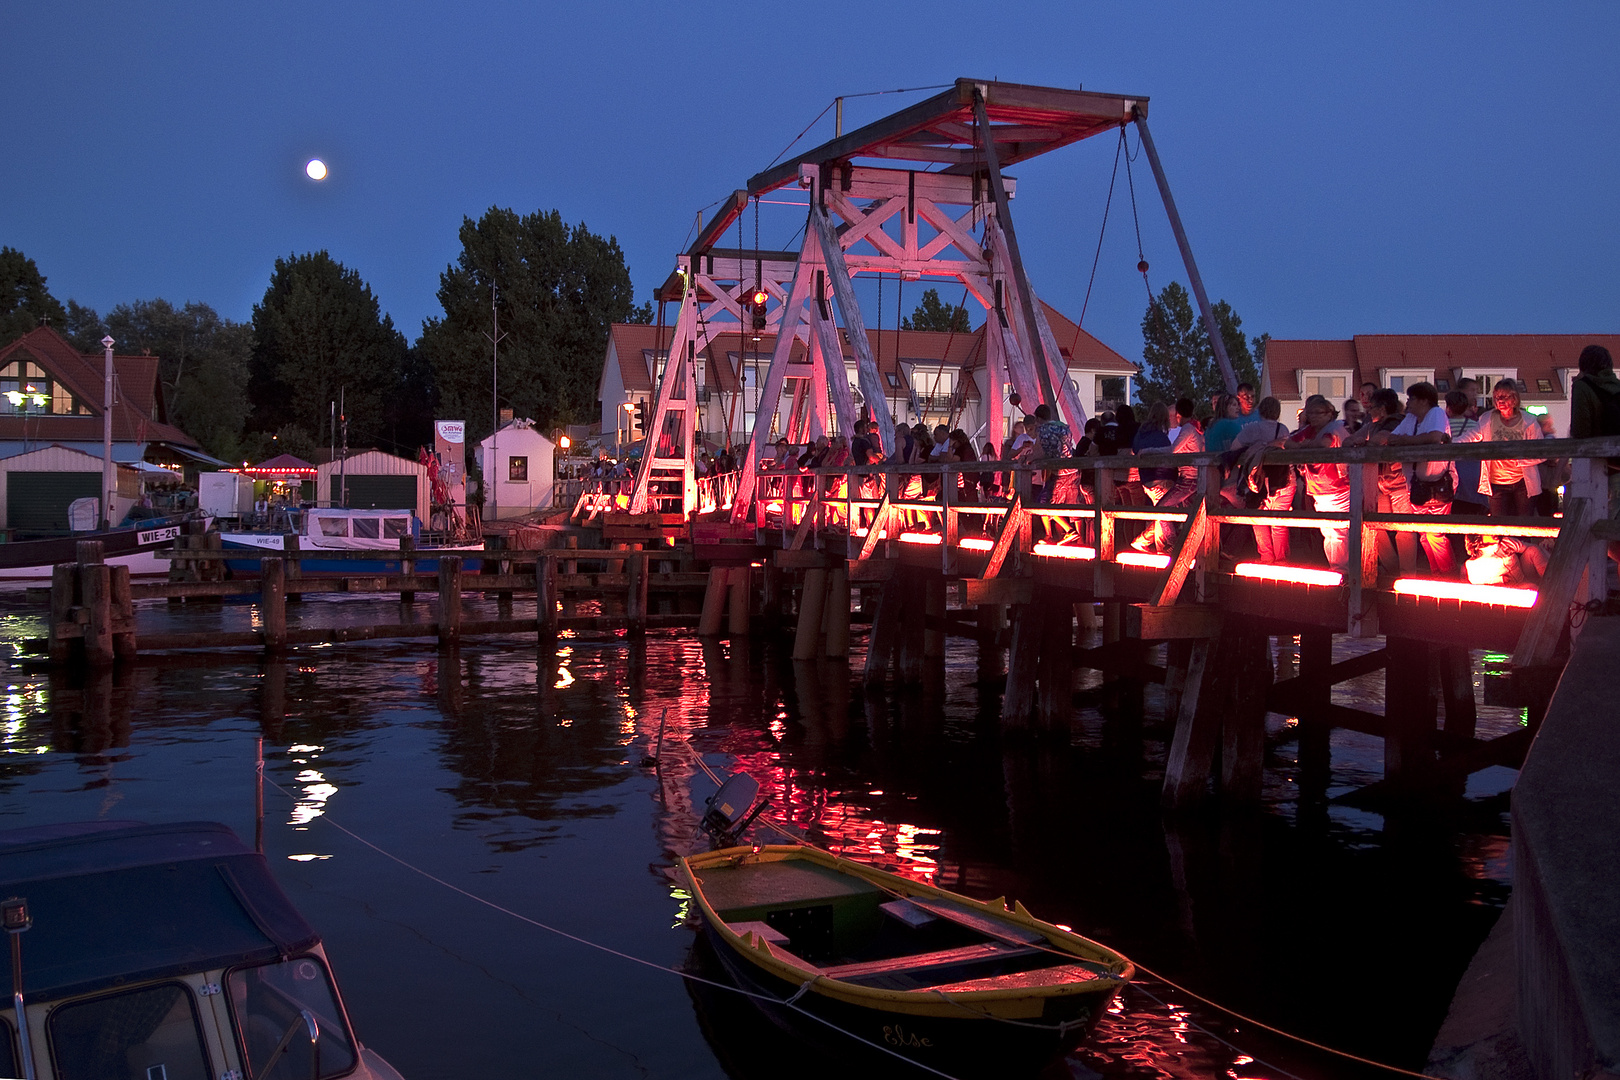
519, 470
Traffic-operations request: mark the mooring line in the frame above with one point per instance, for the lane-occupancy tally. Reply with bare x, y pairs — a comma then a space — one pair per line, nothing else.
791, 1003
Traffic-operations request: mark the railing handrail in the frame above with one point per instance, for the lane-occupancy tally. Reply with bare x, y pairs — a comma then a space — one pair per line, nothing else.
1604, 446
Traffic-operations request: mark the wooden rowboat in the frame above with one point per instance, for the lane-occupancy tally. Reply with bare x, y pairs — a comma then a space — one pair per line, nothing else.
961, 985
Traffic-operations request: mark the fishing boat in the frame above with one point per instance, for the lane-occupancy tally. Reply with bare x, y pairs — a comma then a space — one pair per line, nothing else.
134, 544
164, 952
334, 530
960, 985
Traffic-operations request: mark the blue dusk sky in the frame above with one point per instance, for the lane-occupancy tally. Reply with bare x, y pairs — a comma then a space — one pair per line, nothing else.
1341, 169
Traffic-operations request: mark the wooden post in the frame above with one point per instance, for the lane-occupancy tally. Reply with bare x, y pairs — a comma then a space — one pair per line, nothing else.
1019, 698
1198, 728
934, 611
503, 597
96, 584
714, 596
571, 566
1409, 713
742, 597
295, 566
273, 603
123, 614
1457, 692
1316, 694
1243, 726
545, 604
884, 639
836, 612
913, 621
988, 618
1056, 668
636, 605
811, 599
407, 566
449, 600
64, 576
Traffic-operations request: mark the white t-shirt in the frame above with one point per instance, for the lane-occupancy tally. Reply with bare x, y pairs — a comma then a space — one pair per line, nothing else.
1434, 420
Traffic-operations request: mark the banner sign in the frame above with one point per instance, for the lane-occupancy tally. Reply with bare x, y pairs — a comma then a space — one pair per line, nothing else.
450, 443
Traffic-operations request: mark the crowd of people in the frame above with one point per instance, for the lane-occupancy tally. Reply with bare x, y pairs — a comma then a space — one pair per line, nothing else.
1242, 429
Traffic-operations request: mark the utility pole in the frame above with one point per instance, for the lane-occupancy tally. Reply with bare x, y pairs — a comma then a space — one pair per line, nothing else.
343, 464
109, 485
490, 485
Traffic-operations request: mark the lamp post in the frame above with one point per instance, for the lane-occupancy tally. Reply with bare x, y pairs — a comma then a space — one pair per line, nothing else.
108, 488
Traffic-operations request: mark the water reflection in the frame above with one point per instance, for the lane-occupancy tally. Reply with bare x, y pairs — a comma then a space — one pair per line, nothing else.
523, 778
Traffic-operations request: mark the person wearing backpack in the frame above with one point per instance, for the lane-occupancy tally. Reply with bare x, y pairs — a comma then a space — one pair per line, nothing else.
1273, 483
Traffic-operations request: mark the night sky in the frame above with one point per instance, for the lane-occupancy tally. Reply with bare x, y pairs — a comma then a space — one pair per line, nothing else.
1385, 168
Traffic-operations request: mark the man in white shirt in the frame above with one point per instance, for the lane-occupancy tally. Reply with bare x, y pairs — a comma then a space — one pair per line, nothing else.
1431, 483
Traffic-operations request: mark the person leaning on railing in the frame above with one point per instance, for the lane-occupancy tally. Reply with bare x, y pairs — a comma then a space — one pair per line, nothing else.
1274, 484
1153, 435
1395, 549
1432, 483
1508, 483
1327, 484
1185, 438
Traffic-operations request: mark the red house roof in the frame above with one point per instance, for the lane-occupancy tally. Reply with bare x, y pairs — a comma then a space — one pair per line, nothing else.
138, 413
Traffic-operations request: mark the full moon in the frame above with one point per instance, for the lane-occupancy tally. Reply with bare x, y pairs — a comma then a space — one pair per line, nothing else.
316, 169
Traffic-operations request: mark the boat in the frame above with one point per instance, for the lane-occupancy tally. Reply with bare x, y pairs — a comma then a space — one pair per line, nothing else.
135, 544
164, 952
343, 530
957, 984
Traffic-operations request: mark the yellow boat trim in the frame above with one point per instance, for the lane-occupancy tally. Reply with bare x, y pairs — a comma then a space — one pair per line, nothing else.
1018, 1003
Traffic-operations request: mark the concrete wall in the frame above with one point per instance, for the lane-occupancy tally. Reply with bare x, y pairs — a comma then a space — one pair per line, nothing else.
1566, 870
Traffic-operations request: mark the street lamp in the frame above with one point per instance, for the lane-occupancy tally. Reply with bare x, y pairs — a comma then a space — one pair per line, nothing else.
107, 485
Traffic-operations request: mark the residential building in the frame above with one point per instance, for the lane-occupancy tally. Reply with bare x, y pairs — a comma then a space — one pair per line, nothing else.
931, 377
52, 394
1541, 364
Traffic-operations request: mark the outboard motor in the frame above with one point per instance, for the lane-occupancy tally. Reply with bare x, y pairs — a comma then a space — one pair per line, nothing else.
732, 809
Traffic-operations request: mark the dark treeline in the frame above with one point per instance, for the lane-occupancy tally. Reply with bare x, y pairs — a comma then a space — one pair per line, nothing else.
319, 335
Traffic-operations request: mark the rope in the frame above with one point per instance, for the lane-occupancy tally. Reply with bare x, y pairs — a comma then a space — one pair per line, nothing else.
1137, 221
1113, 178
790, 1003
834, 101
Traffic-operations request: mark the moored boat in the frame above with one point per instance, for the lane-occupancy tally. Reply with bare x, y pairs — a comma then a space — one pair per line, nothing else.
134, 544
957, 984
165, 951
337, 530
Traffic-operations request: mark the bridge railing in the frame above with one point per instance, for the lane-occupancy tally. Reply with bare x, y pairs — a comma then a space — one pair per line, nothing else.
930, 504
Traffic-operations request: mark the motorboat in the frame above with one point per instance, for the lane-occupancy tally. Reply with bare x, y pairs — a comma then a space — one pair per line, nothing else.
337, 530
164, 952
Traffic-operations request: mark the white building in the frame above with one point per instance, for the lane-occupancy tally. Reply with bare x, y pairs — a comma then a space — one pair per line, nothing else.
519, 469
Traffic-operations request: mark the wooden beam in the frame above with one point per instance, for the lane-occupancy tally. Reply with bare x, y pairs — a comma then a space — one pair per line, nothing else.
1538, 642
1186, 551
1008, 590
871, 381
800, 559
770, 394
1172, 622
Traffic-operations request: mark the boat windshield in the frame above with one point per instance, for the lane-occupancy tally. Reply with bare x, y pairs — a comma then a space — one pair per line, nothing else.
334, 526
269, 1001
147, 1032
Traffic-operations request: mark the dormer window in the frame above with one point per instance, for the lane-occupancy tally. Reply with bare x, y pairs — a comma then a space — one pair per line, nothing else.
26, 389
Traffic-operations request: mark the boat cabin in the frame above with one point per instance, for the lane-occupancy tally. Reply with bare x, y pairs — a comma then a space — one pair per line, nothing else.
360, 529
166, 952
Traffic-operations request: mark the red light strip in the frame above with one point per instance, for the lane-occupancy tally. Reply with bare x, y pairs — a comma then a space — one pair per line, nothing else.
977, 543
1142, 558
921, 538
1499, 595
1065, 551
1297, 575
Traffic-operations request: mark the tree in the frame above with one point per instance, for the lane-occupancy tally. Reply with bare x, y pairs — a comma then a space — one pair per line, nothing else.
25, 302
558, 288
320, 335
932, 314
83, 328
1176, 351
202, 363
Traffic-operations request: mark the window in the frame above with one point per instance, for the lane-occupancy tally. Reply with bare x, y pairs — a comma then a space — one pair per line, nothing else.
1398, 383
334, 526
268, 1002
1110, 393
27, 389
396, 528
517, 468
1443, 385
1329, 386
894, 380
1544, 386
367, 529
146, 1033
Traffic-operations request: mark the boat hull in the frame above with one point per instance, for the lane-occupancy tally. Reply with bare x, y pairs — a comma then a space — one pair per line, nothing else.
962, 1045
243, 555
135, 548
962, 1011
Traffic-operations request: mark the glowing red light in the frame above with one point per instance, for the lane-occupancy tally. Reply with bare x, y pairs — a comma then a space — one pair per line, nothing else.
1065, 551
759, 297
1499, 595
921, 538
1142, 558
977, 543
1297, 575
